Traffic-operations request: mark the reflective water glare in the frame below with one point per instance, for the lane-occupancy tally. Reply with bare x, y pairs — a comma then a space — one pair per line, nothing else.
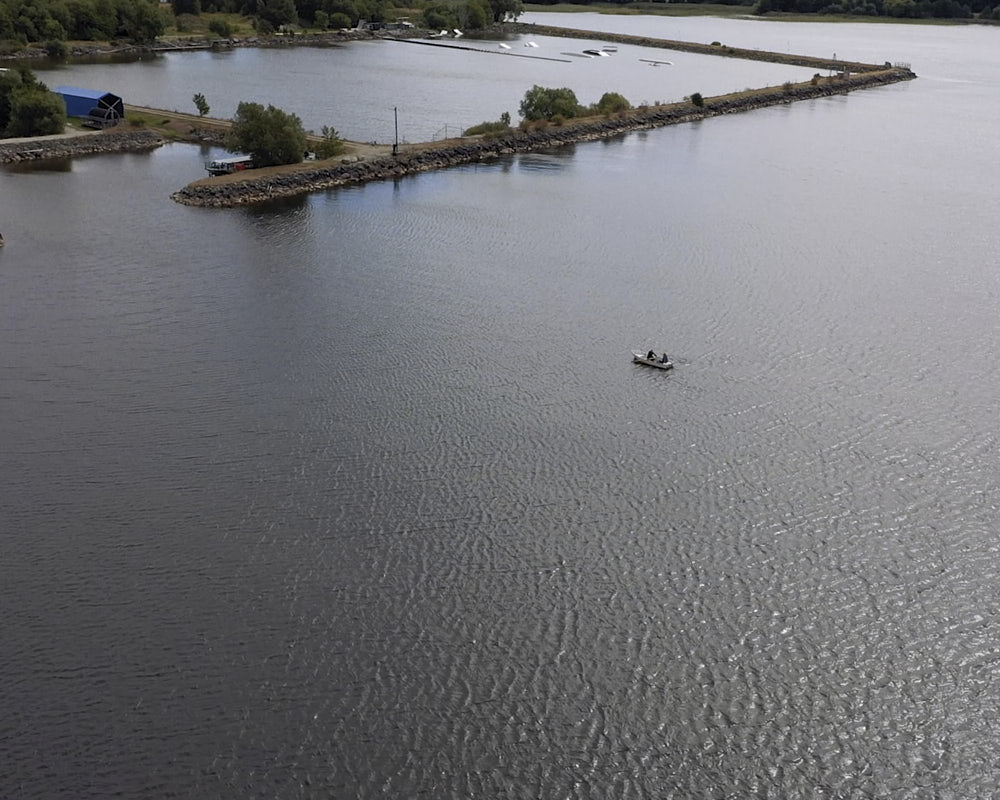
361, 496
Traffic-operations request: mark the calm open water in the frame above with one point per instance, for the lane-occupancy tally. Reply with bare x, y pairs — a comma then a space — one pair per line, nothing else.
360, 495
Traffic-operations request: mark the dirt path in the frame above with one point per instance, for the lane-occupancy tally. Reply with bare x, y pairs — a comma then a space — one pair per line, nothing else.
183, 123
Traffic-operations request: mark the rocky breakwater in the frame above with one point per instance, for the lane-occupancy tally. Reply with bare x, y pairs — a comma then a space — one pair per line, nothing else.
82, 145
253, 188
713, 49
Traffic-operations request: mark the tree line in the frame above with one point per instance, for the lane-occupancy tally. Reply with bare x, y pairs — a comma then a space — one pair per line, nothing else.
142, 21
24, 21
900, 9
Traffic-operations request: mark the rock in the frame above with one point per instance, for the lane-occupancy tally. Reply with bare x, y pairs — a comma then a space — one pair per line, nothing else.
87, 144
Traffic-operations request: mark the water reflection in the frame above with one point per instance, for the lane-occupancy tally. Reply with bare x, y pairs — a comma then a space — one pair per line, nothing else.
40, 165
547, 160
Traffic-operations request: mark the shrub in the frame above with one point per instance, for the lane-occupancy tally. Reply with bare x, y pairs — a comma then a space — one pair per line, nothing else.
786, 87
56, 50
488, 129
612, 103
322, 20
332, 145
340, 20
697, 99
221, 27
557, 119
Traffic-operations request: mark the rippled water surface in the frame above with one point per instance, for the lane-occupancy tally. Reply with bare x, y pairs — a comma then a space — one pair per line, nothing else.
360, 495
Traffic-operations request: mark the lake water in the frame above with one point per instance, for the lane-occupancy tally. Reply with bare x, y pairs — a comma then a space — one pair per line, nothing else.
359, 495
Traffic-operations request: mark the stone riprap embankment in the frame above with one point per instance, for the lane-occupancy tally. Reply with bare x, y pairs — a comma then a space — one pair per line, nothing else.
72, 146
251, 189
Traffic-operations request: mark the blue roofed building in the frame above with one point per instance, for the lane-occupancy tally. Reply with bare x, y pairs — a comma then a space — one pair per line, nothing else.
99, 108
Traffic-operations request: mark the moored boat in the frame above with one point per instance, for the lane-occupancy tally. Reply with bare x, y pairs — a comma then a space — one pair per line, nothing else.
227, 166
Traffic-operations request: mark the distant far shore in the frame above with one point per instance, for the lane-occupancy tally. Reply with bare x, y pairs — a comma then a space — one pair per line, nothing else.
192, 43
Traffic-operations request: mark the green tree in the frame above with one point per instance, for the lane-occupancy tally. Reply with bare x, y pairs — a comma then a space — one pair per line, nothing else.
200, 103
269, 134
506, 9
35, 111
346, 7
277, 12
476, 15
6, 23
9, 81
542, 103
440, 16
12, 80
186, 7
139, 20
697, 99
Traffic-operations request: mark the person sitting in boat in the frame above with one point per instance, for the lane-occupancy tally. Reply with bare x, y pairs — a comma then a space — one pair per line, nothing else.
650, 355
664, 359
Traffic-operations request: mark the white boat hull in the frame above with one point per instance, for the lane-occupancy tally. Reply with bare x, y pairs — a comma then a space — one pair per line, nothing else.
640, 358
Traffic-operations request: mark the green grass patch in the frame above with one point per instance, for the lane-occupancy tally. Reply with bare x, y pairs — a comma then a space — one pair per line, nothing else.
152, 122
192, 25
488, 129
